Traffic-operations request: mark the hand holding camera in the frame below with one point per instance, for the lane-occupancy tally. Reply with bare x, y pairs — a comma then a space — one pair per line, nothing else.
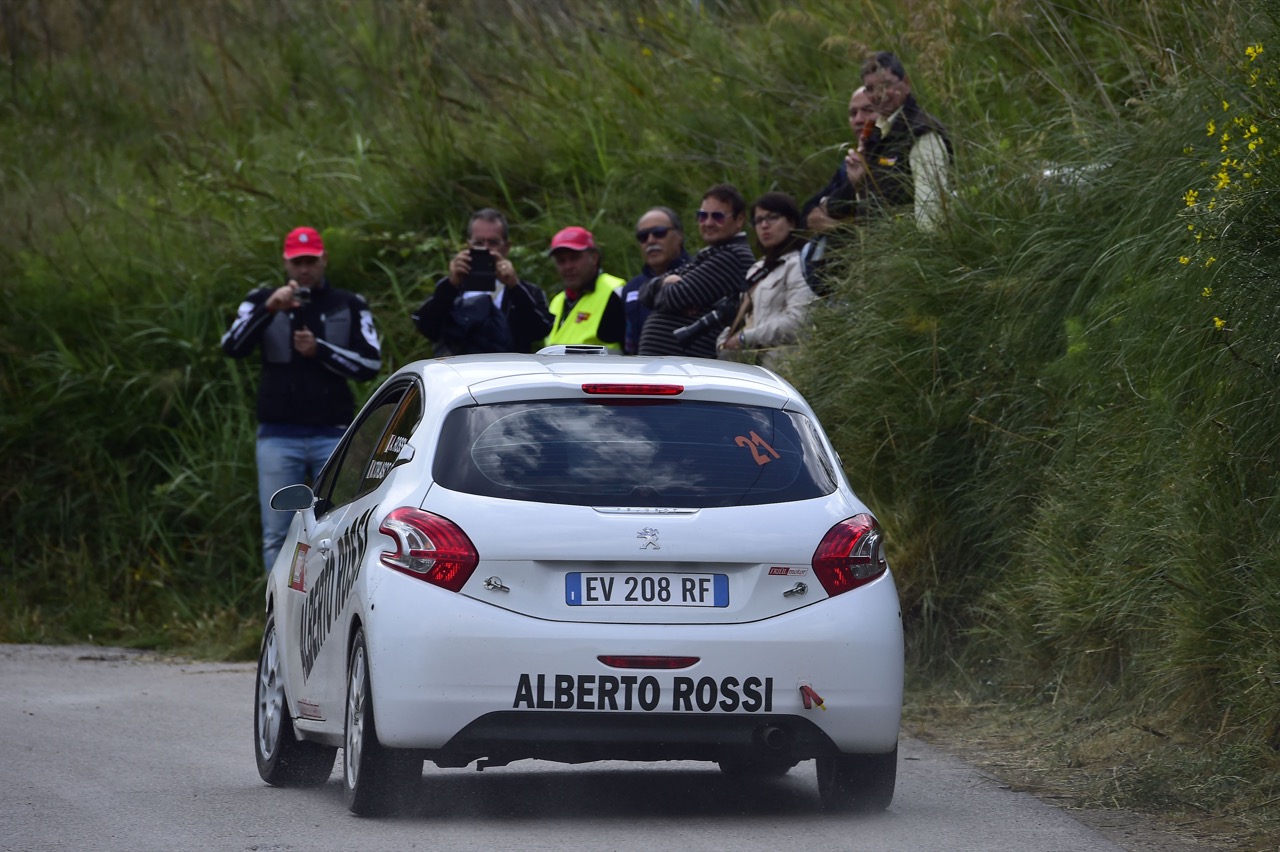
288, 297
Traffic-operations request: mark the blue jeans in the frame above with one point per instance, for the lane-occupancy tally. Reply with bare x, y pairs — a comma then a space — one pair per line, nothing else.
286, 461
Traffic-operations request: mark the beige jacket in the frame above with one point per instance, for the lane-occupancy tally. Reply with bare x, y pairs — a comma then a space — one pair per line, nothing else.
772, 315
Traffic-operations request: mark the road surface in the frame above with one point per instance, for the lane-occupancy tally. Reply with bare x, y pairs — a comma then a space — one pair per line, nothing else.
103, 749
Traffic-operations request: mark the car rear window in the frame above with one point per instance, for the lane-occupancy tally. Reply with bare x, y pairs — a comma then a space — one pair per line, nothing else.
633, 453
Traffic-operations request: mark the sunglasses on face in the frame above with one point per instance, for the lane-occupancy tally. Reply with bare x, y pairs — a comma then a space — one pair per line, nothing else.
660, 232
713, 215
766, 217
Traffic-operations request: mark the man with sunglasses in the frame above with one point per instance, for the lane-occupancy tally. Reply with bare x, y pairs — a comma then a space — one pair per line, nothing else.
690, 292
661, 239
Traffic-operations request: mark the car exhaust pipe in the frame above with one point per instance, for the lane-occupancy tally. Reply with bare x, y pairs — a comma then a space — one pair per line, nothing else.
772, 737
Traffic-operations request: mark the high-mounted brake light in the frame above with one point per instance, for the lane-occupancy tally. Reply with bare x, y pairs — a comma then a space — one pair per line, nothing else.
429, 548
633, 390
618, 661
850, 555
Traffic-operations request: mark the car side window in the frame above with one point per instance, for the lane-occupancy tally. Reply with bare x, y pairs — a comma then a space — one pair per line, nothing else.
393, 441
344, 478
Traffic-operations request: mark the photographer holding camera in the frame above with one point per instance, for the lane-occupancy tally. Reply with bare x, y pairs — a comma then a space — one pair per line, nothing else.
313, 339
702, 294
483, 305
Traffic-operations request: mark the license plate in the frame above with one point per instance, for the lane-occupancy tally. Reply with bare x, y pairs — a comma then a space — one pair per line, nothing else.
582, 589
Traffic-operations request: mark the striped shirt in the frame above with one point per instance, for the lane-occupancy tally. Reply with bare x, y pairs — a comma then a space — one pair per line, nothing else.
715, 272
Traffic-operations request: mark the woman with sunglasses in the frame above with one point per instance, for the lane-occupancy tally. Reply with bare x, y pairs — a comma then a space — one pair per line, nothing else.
774, 309
693, 296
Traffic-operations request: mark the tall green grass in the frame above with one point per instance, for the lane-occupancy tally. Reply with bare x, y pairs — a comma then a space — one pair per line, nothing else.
1075, 462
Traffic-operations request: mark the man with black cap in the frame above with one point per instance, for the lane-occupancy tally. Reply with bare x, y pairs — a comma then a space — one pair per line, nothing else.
589, 309
313, 339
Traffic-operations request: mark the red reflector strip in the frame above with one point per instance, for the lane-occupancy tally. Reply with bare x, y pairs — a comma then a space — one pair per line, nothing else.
634, 390
646, 662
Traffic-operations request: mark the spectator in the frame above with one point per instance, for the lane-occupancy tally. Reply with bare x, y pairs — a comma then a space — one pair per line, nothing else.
903, 159
589, 309
691, 291
774, 310
510, 317
835, 201
661, 238
313, 339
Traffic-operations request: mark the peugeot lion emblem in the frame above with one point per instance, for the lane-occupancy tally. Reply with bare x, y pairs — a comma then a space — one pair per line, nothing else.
650, 536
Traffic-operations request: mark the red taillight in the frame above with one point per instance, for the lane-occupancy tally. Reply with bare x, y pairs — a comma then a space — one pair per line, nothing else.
851, 555
429, 548
646, 662
634, 390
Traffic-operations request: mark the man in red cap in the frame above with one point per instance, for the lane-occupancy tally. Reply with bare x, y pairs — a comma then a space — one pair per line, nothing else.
313, 340
589, 309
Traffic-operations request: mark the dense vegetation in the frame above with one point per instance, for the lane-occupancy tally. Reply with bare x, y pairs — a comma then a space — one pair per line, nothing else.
1063, 404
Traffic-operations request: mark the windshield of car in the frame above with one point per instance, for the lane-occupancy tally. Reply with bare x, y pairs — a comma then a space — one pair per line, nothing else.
628, 452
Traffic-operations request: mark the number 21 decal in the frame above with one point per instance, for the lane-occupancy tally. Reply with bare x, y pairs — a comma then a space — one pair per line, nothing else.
758, 447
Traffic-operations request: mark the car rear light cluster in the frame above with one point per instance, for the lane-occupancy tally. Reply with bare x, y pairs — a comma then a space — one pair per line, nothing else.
851, 555
429, 548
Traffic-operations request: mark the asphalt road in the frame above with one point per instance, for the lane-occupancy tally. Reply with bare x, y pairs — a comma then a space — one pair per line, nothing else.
102, 749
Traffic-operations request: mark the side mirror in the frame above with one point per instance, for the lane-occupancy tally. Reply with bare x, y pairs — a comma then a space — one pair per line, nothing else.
293, 498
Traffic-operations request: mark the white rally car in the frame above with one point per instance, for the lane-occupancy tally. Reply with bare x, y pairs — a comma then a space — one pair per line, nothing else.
574, 556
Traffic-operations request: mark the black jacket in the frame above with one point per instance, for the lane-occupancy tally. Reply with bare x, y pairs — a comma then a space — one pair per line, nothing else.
468, 326
889, 181
307, 391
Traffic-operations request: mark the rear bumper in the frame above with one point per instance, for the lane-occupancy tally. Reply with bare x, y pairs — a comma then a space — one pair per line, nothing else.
566, 737
454, 676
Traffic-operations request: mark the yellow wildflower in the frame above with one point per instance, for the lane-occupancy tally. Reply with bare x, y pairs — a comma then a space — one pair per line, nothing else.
1210, 262
1225, 106
1206, 292
1218, 323
1212, 128
1184, 260
1253, 51
1191, 197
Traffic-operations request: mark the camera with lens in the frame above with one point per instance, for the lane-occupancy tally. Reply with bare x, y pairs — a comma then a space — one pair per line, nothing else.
303, 295
721, 313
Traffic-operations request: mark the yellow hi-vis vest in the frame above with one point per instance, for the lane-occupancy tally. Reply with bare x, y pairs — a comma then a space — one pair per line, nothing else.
583, 321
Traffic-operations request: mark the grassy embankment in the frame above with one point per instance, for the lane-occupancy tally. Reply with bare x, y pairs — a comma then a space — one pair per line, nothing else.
1070, 434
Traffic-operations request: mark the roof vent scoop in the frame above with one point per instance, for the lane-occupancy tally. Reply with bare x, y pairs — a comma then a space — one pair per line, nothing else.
574, 349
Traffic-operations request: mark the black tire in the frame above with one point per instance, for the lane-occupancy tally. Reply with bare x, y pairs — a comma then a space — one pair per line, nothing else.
747, 768
857, 782
375, 779
283, 759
